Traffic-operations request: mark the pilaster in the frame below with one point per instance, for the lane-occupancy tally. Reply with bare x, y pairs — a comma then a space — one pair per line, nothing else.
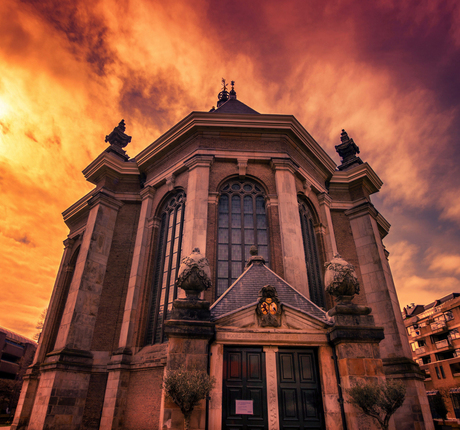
137, 269
65, 374
196, 218
330, 243
380, 292
272, 387
295, 269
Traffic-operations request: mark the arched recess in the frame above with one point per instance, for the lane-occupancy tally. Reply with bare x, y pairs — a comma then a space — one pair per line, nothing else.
241, 222
61, 302
167, 262
308, 220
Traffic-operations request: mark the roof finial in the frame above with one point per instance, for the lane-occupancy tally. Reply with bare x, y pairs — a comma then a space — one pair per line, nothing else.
118, 140
223, 95
347, 151
232, 91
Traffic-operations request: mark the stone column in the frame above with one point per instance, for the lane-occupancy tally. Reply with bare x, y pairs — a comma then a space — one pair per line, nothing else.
271, 377
380, 293
118, 378
356, 342
31, 379
295, 269
330, 243
137, 269
196, 207
63, 385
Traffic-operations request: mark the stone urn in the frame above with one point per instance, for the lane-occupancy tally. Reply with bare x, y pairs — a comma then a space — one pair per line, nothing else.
194, 275
340, 279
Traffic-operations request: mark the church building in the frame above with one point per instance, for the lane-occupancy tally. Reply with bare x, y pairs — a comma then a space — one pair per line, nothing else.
263, 212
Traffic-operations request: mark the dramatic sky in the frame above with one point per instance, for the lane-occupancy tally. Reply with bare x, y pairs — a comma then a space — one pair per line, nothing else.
386, 70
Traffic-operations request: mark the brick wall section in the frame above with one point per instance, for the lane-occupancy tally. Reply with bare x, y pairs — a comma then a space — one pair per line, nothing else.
346, 247
110, 313
144, 399
94, 401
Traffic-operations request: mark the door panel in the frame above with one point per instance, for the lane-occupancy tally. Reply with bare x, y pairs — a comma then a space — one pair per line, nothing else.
299, 392
244, 379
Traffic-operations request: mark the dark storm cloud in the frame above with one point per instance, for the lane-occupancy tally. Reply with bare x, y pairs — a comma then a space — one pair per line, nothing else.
85, 31
155, 98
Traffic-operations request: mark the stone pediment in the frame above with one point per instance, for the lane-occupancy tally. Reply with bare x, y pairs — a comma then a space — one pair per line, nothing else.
292, 320
237, 306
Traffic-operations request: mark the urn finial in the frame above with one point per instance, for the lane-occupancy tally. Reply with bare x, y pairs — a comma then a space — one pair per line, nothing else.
340, 279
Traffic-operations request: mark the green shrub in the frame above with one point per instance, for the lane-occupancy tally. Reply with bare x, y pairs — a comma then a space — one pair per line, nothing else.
186, 388
379, 401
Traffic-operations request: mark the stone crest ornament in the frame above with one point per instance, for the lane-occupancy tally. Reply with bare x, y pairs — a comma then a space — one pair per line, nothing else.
194, 274
340, 279
269, 307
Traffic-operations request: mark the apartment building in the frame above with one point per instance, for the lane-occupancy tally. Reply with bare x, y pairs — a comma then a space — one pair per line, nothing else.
434, 336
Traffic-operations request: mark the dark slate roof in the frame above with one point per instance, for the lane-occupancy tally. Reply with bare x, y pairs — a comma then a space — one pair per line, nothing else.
235, 106
244, 292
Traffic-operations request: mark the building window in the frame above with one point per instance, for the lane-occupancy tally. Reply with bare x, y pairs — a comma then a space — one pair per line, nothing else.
242, 222
167, 263
315, 284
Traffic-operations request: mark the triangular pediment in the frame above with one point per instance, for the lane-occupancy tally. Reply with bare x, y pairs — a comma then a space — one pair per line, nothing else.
243, 295
292, 320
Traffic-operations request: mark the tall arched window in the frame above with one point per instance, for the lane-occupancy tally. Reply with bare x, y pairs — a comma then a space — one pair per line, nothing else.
310, 246
242, 223
166, 264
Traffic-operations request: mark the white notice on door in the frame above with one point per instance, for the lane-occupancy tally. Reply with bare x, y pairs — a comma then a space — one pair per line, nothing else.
244, 407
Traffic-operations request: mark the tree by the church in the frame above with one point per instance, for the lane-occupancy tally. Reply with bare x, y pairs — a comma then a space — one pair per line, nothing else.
39, 326
378, 400
186, 388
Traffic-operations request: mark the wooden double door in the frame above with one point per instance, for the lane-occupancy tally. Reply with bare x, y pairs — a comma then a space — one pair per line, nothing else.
299, 393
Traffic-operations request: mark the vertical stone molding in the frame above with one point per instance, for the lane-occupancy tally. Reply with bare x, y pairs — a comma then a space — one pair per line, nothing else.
325, 206
272, 387
26, 399
53, 308
79, 318
137, 269
216, 370
196, 212
295, 269
377, 281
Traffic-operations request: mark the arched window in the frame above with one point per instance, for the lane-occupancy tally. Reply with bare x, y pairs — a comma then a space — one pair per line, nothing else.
166, 264
242, 222
310, 246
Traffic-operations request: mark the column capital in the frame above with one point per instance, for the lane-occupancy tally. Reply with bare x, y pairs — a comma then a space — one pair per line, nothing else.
68, 243
213, 198
325, 199
361, 210
148, 192
284, 164
106, 199
199, 161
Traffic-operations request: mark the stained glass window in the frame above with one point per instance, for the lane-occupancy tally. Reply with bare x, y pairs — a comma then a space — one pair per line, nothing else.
315, 284
166, 265
242, 222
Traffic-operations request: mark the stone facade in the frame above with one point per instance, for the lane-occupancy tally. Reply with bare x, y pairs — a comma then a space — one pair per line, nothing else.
111, 333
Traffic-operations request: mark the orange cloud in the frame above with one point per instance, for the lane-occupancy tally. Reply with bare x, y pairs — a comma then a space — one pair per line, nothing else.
70, 70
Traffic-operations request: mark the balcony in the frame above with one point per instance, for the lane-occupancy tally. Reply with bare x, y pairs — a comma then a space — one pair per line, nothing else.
438, 325
442, 344
420, 350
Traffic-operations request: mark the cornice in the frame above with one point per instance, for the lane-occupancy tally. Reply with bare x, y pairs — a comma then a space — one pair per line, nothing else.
108, 163
361, 172
265, 122
284, 164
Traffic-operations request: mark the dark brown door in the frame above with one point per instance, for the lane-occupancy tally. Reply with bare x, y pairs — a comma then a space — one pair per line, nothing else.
244, 379
299, 393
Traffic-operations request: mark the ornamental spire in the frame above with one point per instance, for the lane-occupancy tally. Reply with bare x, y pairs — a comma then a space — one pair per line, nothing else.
118, 139
223, 95
347, 151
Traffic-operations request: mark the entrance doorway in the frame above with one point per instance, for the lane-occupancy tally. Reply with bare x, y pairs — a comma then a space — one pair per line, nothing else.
299, 391
244, 380
297, 382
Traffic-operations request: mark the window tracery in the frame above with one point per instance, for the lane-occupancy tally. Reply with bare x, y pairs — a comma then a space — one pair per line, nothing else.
167, 263
242, 222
